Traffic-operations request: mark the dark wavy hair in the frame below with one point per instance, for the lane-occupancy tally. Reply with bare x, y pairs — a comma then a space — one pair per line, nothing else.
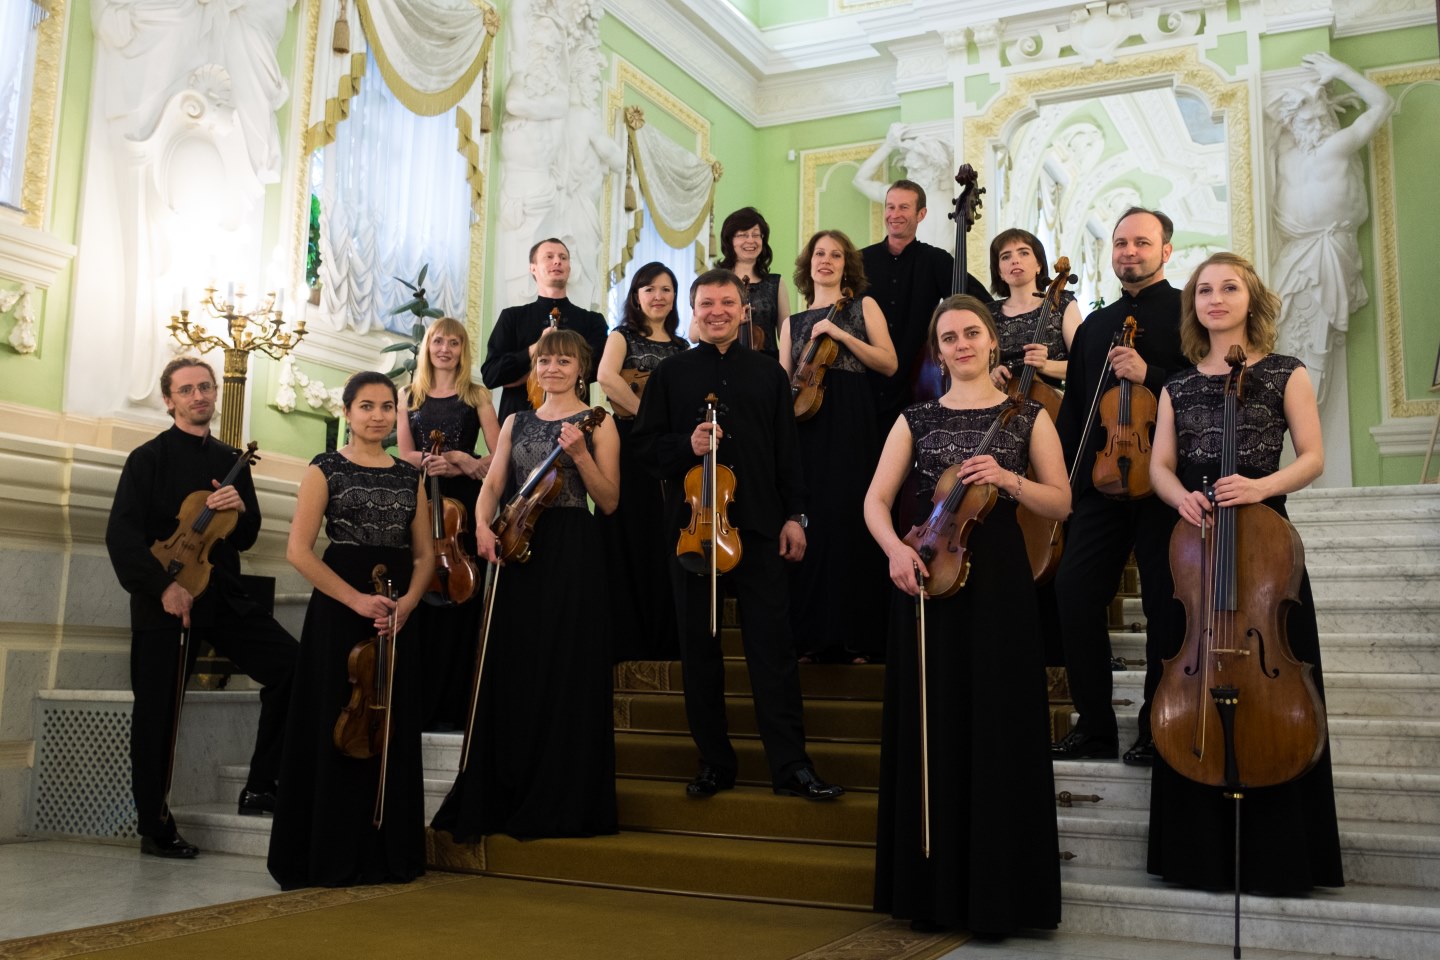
853, 276
1004, 239
744, 219
633, 318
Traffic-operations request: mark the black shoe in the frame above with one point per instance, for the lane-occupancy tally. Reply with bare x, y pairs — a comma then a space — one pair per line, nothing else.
1084, 746
1142, 752
256, 802
708, 782
173, 847
804, 783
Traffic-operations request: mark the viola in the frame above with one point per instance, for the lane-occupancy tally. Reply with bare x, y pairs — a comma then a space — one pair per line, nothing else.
185, 554
516, 523
807, 384
456, 572
363, 728
929, 377
635, 379
942, 541
709, 545
1127, 414
533, 391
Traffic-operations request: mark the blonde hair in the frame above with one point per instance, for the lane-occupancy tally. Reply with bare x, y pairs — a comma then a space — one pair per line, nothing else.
423, 382
1260, 319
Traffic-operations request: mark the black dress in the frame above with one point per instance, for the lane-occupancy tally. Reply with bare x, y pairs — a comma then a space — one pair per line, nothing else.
1290, 840
1019, 330
450, 632
994, 864
542, 752
634, 538
764, 300
837, 592
322, 834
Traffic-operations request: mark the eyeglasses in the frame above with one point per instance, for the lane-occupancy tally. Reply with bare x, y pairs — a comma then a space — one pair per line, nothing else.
189, 390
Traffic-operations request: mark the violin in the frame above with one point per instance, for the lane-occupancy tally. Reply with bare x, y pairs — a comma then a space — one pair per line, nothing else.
516, 523
1127, 414
363, 728
635, 379
1044, 539
750, 335
807, 385
1234, 708
185, 554
456, 572
929, 377
957, 508
709, 546
533, 391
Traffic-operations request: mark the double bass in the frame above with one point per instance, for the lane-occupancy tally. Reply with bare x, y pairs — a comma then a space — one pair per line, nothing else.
533, 391
516, 523
456, 572
363, 728
930, 378
185, 554
1127, 414
807, 384
708, 545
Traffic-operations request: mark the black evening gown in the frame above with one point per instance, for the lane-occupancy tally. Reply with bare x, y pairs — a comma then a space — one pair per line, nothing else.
1290, 840
634, 538
1019, 330
450, 632
542, 752
323, 835
993, 867
838, 591
763, 297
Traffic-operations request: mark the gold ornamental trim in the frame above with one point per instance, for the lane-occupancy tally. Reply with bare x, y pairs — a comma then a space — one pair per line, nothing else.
44, 102
429, 103
811, 161
337, 108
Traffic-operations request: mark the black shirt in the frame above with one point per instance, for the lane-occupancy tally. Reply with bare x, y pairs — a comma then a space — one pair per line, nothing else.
157, 477
757, 421
507, 355
1156, 310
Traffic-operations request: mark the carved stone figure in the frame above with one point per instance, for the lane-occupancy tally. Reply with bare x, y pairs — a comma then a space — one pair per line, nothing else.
929, 161
1318, 205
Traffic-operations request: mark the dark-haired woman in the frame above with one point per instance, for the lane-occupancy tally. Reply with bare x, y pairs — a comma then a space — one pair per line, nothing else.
373, 508
745, 249
836, 600
635, 540
1020, 275
542, 747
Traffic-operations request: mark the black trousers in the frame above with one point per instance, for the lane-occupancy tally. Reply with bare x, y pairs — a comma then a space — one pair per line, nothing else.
1098, 540
255, 643
760, 584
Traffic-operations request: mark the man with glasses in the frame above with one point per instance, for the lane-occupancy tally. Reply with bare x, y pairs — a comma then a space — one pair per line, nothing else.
157, 477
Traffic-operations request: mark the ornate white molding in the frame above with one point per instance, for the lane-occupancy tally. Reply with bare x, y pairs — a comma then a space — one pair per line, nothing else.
792, 98
1354, 17
31, 256
1408, 437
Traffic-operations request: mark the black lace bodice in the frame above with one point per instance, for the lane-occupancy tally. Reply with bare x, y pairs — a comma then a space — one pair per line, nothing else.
945, 437
368, 506
851, 320
531, 441
644, 354
1199, 402
1017, 331
452, 416
764, 300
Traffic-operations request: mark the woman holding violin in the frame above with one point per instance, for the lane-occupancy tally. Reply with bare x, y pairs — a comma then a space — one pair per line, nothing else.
443, 397
983, 749
635, 539
541, 761
1019, 275
834, 607
745, 249
1290, 841
374, 510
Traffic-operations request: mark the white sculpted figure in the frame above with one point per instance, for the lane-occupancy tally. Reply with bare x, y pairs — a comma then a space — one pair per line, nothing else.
929, 161
1319, 203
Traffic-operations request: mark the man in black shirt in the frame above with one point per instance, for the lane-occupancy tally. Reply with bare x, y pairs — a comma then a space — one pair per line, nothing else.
907, 277
512, 343
157, 477
756, 438
1102, 531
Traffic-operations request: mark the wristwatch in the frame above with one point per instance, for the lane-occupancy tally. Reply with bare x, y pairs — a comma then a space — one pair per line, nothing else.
800, 518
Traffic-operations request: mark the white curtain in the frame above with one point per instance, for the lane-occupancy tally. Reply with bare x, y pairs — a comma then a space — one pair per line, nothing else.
430, 50
18, 19
649, 247
678, 186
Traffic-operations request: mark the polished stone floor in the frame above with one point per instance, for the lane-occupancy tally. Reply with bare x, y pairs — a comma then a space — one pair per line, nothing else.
50, 885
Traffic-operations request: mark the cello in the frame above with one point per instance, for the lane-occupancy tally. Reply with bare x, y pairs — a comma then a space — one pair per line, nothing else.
363, 728
516, 523
455, 570
533, 391
807, 385
929, 376
708, 545
185, 554
1127, 414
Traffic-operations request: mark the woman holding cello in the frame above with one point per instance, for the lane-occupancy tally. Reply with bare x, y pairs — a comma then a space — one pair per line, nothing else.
541, 759
1290, 840
443, 397
745, 250
635, 540
1019, 275
374, 511
834, 608
991, 864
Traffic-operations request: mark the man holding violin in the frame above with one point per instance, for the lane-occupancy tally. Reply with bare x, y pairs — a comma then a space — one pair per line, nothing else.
756, 438
1102, 530
157, 477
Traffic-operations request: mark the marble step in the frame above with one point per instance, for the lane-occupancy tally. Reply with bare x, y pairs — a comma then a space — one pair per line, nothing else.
1400, 522
1342, 652
1395, 549
1413, 696
1329, 579
1327, 499
1389, 614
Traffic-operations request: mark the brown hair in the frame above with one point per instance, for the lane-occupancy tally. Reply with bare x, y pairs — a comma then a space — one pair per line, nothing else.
852, 277
566, 343
471, 393
716, 277
180, 363
997, 246
744, 219
961, 301
1260, 319
913, 187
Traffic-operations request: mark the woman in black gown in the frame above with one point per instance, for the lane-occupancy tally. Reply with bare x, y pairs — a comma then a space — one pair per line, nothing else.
993, 866
1019, 276
1290, 840
836, 603
542, 748
373, 509
634, 537
443, 397
745, 249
